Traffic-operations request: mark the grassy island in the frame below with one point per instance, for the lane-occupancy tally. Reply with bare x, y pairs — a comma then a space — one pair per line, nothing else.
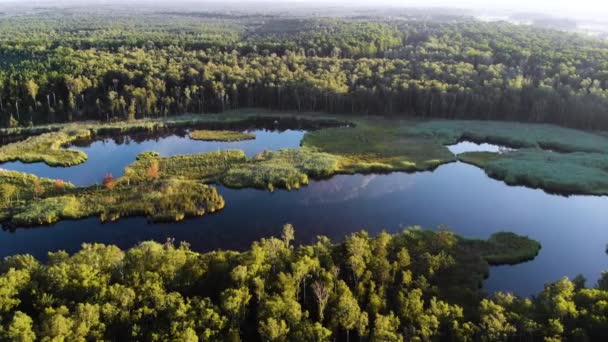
46, 148
224, 136
28, 201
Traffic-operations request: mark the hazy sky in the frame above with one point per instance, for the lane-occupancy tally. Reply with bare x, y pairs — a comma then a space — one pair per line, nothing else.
573, 8
559, 7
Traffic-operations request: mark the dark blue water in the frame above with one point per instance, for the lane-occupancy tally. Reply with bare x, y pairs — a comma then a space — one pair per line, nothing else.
573, 231
110, 156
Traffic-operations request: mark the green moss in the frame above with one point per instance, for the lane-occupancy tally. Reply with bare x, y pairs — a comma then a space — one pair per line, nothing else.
226, 136
569, 173
479, 159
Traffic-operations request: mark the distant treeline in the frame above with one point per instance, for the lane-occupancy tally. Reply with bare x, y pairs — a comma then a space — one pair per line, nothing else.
56, 68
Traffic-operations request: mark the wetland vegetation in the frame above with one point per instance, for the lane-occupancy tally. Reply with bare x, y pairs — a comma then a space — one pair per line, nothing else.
360, 145
369, 95
208, 135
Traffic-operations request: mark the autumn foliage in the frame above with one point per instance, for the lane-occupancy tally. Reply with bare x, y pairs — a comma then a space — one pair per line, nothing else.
109, 182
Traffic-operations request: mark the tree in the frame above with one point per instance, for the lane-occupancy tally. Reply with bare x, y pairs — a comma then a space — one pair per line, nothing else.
131, 111
39, 189
153, 172
32, 90
20, 328
358, 253
494, 324
386, 328
109, 182
321, 292
58, 185
234, 302
346, 313
288, 234
273, 330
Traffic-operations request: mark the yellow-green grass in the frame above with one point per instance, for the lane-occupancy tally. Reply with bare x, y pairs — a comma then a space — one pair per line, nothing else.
569, 173
17, 188
225, 136
367, 145
513, 134
378, 145
166, 200
46, 148
205, 167
287, 169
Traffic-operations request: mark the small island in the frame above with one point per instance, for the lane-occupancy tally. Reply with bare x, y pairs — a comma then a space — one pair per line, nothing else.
223, 136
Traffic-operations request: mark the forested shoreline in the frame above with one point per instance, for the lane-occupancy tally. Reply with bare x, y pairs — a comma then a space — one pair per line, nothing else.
417, 285
61, 68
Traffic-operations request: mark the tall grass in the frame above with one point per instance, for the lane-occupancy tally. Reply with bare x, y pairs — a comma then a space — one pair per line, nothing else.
564, 173
287, 169
165, 200
378, 145
225, 136
513, 134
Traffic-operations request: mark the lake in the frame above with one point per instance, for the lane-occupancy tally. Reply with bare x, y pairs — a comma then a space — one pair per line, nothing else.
572, 230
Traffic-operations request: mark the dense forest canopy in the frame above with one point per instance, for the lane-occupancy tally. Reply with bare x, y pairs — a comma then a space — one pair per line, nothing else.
68, 66
413, 286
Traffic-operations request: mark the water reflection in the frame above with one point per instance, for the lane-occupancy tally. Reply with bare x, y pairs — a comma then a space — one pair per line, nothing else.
469, 146
343, 188
572, 230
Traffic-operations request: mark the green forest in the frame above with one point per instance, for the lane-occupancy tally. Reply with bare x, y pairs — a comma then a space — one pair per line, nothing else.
369, 95
417, 285
65, 67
